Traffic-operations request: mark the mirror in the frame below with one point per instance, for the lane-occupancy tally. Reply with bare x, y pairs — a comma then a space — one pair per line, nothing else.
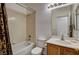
61, 21
65, 21
77, 23
62, 25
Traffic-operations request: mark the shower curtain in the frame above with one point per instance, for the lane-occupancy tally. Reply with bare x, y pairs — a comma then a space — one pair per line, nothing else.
5, 45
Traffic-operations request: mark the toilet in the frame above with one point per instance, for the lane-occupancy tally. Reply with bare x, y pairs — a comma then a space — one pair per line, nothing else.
36, 51
39, 47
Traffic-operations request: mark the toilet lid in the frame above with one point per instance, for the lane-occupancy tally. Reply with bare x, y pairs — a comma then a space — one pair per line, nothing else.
36, 50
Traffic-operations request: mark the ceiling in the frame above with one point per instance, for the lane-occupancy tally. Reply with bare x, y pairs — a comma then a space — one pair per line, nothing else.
29, 7
17, 8
37, 6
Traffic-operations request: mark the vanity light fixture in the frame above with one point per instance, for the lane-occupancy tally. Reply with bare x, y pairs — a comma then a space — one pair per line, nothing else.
58, 5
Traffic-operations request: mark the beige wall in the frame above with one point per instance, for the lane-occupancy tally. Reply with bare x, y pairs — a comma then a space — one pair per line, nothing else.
43, 19
17, 26
31, 27
64, 11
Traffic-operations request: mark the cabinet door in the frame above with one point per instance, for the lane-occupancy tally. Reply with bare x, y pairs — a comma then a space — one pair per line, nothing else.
78, 52
53, 49
68, 51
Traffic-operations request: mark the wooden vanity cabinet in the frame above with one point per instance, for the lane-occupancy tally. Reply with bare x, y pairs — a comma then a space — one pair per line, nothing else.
60, 50
53, 49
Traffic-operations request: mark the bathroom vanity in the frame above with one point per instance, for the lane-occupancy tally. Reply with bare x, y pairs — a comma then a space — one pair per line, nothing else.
59, 47
65, 22
60, 50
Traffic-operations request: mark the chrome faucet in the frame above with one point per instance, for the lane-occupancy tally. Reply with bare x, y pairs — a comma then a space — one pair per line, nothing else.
62, 38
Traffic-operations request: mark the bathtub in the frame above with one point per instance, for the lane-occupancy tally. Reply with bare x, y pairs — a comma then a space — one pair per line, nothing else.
23, 48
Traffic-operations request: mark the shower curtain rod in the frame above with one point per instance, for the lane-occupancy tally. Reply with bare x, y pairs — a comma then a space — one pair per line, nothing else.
28, 8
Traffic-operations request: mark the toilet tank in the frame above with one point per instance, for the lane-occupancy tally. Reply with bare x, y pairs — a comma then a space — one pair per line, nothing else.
41, 42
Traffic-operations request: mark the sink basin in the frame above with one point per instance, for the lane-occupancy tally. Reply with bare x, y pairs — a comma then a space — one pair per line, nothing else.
63, 42
72, 41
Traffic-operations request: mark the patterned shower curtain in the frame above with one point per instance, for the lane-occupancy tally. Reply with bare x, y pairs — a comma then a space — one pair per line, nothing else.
5, 45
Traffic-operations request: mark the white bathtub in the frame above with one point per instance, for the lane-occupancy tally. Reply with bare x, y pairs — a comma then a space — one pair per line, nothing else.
23, 48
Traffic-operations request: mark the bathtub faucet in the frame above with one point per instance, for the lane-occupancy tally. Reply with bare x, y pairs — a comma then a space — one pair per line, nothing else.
13, 43
29, 37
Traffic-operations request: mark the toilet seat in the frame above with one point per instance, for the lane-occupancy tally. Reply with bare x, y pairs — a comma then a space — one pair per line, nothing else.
36, 51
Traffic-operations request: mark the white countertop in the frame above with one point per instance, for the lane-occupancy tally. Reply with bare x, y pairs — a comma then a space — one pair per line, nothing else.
66, 43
